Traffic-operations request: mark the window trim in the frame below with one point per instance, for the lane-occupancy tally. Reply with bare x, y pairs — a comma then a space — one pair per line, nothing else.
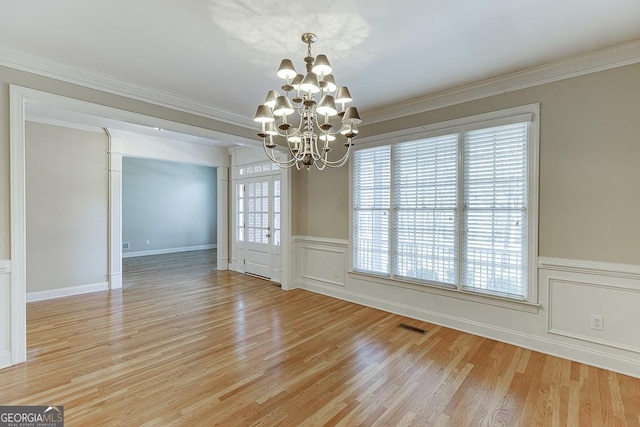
527, 113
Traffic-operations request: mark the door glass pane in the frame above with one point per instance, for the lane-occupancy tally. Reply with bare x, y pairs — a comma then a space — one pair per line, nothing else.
276, 212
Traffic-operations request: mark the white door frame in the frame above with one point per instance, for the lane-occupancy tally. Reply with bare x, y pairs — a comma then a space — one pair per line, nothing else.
243, 157
19, 96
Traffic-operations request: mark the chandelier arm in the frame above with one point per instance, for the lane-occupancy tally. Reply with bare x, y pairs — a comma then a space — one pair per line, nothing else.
284, 165
320, 165
342, 161
315, 153
297, 156
287, 133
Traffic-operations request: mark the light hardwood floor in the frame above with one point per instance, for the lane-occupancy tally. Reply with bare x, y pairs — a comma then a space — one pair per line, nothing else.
183, 344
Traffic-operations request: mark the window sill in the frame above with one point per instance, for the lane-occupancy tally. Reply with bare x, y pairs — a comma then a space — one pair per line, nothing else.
524, 306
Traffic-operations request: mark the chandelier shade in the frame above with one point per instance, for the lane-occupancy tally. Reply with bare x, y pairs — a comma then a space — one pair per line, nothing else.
308, 115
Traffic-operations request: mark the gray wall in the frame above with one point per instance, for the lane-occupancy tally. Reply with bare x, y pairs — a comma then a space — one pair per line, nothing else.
66, 199
172, 205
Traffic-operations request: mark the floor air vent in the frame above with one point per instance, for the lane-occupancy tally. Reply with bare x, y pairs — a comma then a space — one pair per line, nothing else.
412, 328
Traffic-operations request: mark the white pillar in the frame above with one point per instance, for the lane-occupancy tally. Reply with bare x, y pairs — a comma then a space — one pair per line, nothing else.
115, 220
222, 176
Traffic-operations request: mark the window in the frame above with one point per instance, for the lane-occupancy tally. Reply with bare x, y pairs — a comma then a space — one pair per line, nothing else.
452, 210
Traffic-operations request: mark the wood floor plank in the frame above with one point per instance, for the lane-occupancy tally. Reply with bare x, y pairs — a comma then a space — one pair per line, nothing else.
183, 344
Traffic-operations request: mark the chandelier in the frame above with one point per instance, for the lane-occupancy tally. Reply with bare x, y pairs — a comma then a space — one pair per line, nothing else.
305, 125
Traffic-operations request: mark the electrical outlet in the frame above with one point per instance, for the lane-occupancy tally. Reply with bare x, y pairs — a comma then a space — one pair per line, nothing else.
597, 322
147, 242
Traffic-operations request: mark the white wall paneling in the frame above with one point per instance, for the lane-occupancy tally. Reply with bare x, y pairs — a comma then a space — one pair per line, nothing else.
115, 217
571, 304
222, 177
321, 260
5, 309
578, 289
16, 318
569, 290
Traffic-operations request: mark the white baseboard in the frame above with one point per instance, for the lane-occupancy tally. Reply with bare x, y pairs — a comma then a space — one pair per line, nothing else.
65, 292
115, 281
5, 358
223, 264
167, 251
627, 366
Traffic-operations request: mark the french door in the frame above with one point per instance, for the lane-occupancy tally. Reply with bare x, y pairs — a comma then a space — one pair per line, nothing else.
259, 225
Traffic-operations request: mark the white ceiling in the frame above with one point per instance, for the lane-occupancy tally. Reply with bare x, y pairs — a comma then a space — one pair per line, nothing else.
224, 53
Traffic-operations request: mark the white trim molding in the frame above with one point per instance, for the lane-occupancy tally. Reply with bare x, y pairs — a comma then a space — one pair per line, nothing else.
17, 200
5, 312
5, 359
222, 218
168, 251
115, 216
65, 292
620, 293
629, 271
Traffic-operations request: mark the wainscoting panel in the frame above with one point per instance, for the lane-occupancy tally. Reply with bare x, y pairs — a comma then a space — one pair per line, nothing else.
572, 303
322, 260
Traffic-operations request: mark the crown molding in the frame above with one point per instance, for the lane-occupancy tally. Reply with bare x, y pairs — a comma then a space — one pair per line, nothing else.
23, 61
600, 60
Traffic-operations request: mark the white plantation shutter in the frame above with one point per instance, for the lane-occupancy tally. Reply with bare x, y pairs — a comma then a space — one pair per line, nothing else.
494, 235
425, 183
452, 210
371, 203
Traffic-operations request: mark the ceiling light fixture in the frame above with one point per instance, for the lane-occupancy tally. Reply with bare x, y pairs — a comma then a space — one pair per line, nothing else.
317, 123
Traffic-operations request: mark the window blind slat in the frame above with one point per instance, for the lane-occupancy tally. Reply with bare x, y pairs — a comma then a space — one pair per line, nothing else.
372, 199
425, 181
494, 242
